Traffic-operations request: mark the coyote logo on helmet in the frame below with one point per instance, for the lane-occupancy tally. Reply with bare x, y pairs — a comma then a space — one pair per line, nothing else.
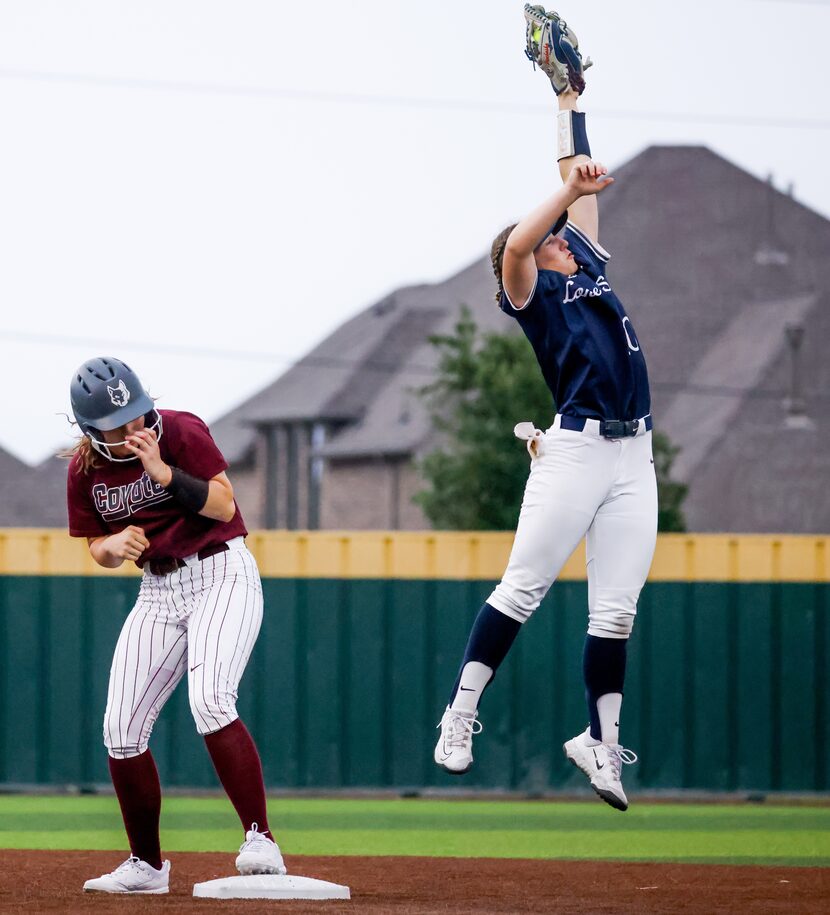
120, 396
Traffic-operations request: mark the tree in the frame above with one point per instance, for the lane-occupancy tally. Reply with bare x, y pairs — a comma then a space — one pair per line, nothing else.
475, 477
670, 493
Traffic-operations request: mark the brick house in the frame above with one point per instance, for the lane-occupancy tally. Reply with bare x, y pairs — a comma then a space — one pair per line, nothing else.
724, 280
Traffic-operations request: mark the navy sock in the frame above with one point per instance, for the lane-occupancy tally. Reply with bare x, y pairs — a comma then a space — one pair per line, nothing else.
490, 640
603, 666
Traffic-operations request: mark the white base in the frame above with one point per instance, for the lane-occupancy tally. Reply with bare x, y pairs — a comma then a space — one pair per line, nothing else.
270, 886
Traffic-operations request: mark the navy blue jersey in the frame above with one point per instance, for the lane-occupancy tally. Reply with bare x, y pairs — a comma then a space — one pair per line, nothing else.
583, 339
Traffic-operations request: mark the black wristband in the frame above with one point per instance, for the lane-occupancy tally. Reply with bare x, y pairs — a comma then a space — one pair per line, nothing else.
188, 491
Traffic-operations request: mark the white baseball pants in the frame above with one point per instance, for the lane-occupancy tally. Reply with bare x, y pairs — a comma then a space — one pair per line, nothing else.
582, 483
202, 620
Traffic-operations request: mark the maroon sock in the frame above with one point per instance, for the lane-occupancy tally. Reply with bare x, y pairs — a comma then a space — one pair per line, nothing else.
137, 787
238, 766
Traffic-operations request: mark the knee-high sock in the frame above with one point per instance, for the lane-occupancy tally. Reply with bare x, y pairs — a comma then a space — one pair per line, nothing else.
490, 640
137, 787
237, 763
603, 665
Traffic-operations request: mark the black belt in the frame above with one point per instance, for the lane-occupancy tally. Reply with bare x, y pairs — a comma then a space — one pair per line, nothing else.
170, 564
608, 428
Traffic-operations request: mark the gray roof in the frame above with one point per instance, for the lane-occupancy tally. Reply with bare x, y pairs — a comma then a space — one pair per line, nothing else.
762, 475
9, 464
32, 496
364, 372
395, 420
712, 267
736, 363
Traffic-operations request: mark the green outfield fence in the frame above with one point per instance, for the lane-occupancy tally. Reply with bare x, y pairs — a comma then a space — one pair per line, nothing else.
727, 687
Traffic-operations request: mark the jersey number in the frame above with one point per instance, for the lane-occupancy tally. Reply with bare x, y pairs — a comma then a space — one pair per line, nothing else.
630, 336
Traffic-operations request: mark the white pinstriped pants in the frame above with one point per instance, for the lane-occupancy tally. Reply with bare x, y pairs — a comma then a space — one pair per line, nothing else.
202, 619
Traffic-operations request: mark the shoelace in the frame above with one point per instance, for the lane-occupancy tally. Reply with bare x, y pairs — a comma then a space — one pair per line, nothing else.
619, 756
131, 863
460, 730
256, 837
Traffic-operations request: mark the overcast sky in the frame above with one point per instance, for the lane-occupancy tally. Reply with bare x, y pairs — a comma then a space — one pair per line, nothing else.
206, 189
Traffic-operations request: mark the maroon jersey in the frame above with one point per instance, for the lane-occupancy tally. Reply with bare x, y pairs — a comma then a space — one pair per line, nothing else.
112, 496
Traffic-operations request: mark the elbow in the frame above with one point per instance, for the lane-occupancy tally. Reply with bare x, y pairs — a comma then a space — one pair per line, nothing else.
514, 246
220, 505
223, 513
517, 247
228, 512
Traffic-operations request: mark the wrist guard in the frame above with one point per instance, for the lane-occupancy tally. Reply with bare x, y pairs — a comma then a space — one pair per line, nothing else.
571, 136
190, 492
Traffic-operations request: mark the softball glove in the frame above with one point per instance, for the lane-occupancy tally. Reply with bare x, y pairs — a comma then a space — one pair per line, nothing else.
554, 48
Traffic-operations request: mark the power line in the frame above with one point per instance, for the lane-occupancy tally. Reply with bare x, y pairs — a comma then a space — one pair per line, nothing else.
174, 349
389, 366
397, 101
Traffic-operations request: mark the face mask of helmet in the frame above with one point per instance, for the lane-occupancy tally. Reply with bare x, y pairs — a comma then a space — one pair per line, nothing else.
152, 421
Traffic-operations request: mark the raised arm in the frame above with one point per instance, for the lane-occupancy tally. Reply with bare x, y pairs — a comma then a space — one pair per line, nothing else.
531, 245
519, 267
585, 180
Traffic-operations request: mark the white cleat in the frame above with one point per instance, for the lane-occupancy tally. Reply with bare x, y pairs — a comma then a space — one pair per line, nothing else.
454, 750
603, 766
259, 855
133, 876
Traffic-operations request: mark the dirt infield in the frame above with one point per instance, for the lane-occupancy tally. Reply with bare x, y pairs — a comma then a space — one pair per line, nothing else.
51, 882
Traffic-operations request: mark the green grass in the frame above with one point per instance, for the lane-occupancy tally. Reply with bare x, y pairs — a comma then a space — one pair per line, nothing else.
716, 833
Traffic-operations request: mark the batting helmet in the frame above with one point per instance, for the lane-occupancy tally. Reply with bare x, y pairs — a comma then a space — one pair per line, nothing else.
106, 393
